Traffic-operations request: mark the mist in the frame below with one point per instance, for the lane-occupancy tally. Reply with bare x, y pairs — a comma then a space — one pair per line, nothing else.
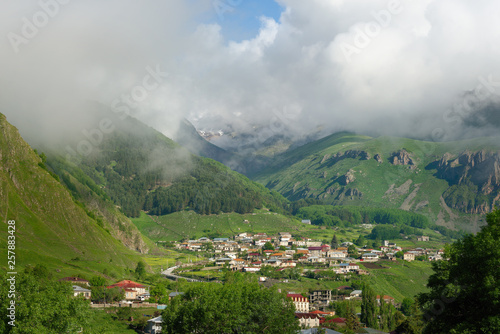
423, 69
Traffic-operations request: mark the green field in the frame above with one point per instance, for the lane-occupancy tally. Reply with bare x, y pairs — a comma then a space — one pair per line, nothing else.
189, 225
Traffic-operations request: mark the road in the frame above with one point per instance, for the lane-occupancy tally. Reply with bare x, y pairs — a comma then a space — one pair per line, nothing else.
169, 273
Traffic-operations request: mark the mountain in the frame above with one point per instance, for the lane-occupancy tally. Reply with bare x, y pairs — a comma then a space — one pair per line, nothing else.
51, 227
138, 168
452, 183
188, 137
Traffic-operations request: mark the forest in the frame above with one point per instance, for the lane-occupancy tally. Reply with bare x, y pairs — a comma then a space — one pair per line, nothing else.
344, 216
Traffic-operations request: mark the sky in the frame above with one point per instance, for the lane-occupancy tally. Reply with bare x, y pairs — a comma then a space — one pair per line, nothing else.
422, 69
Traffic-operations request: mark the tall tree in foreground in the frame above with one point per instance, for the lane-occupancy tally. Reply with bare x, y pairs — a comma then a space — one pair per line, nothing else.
465, 290
369, 307
242, 306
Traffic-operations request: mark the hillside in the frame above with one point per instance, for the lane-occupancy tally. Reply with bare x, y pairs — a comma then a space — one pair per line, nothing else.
51, 228
189, 225
452, 183
139, 169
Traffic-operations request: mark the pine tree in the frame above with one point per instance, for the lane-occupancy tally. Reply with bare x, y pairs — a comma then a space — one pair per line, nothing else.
334, 243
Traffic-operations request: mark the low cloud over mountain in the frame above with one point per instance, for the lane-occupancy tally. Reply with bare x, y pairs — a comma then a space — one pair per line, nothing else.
425, 69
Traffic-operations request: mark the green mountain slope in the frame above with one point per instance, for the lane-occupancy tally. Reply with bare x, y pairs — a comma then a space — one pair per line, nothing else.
51, 228
140, 169
448, 182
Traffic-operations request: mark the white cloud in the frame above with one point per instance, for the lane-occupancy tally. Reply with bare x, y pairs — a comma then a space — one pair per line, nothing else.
416, 63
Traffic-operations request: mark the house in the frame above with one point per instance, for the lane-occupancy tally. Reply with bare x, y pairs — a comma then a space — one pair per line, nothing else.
337, 321
79, 291
434, 257
387, 299
75, 280
320, 297
221, 239
308, 320
132, 289
306, 221
222, 261
316, 331
174, 294
315, 251
336, 254
345, 268
315, 259
385, 249
130, 294
288, 264
301, 303
276, 256
237, 263
408, 256
423, 238
273, 263
356, 293
302, 251
299, 242
251, 269
369, 257
154, 325
195, 246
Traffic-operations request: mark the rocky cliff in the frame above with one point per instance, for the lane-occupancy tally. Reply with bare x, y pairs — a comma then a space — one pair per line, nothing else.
474, 179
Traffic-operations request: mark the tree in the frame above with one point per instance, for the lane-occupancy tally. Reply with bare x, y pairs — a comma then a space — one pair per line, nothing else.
334, 243
361, 241
352, 251
158, 292
465, 289
352, 321
42, 306
369, 307
140, 270
97, 281
268, 246
242, 306
406, 306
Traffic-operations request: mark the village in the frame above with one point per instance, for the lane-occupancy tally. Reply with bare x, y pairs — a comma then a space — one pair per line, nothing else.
248, 252
259, 252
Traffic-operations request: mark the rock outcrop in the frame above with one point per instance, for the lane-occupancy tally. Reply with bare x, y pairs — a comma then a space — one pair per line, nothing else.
474, 179
347, 178
402, 157
350, 154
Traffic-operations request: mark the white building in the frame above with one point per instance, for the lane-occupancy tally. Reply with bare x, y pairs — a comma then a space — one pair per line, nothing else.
301, 303
154, 325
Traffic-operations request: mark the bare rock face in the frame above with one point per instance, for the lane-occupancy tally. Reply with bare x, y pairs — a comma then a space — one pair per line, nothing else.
474, 179
343, 193
351, 154
347, 178
378, 158
481, 168
402, 157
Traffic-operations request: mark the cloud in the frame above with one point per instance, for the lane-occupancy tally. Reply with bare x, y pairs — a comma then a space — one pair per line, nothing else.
410, 68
